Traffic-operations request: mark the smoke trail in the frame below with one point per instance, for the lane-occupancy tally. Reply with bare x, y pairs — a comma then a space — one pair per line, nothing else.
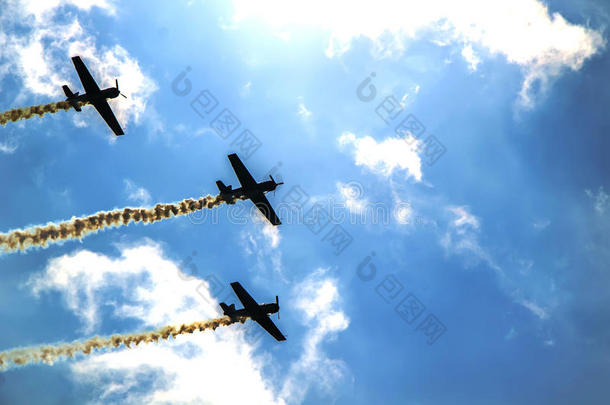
79, 227
49, 354
40, 110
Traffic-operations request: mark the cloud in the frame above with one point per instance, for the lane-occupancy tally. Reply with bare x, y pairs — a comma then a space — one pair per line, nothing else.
7, 148
143, 286
137, 194
303, 112
461, 238
469, 55
41, 57
541, 224
600, 200
9, 143
409, 98
272, 234
524, 32
261, 240
41, 8
317, 297
245, 90
351, 193
402, 212
148, 281
463, 219
534, 308
385, 157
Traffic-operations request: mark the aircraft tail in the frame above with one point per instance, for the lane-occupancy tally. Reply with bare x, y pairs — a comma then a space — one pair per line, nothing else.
67, 91
71, 95
222, 187
228, 310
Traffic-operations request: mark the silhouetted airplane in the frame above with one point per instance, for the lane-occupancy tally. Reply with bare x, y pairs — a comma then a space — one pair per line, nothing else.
257, 312
94, 96
250, 189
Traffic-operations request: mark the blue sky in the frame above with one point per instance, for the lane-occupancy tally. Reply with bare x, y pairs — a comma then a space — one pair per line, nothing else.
501, 242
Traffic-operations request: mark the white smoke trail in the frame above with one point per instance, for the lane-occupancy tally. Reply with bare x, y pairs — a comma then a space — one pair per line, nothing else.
49, 354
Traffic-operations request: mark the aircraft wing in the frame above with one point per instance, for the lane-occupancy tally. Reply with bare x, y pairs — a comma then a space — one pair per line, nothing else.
264, 206
86, 79
270, 327
105, 111
243, 175
245, 298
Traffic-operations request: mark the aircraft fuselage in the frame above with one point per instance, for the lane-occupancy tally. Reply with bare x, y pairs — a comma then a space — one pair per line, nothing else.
262, 310
263, 186
110, 92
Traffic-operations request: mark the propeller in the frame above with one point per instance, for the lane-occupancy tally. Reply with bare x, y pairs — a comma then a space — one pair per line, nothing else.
117, 87
281, 182
277, 302
276, 183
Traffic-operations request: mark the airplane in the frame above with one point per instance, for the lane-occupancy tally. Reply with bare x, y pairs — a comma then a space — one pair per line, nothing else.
93, 95
253, 310
250, 189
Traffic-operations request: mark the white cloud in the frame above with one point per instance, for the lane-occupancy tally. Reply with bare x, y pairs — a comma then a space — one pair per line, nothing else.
317, 297
141, 273
534, 308
137, 194
461, 238
245, 90
262, 240
9, 143
524, 32
470, 57
385, 157
303, 111
142, 285
272, 234
7, 148
41, 58
541, 224
463, 218
601, 200
41, 8
403, 212
351, 193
